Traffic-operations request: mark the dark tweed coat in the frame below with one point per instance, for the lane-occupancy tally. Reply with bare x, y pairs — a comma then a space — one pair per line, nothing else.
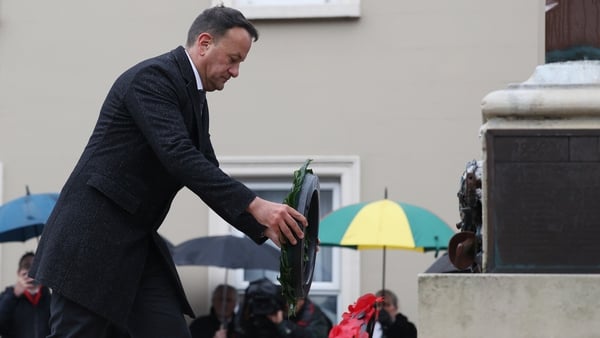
150, 141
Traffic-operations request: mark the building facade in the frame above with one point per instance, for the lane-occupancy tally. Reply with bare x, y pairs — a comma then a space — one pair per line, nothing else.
388, 97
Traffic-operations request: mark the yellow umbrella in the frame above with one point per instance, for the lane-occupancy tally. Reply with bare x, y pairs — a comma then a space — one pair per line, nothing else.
385, 224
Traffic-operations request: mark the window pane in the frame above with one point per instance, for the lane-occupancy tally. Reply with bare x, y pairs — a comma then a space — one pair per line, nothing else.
327, 303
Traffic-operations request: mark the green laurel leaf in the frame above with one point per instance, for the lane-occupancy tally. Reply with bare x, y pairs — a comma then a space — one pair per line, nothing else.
285, 270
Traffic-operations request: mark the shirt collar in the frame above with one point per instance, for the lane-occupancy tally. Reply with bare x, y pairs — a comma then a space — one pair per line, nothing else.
196, 74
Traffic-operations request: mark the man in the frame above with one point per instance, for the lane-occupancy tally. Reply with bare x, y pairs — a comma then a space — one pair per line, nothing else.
391, 323
220, 319
262, 314
100, 251
25, 306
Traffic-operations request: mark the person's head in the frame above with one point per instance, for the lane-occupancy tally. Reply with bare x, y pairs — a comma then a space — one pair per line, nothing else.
219, 40
262, 300
224, 300
25, 262
390, 302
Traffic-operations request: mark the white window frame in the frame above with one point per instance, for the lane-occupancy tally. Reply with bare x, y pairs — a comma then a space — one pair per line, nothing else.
345, 168
294, 9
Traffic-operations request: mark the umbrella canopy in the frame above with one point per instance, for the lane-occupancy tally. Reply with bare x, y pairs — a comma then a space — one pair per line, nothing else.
385, 224
444, 265
24, 217
227, 251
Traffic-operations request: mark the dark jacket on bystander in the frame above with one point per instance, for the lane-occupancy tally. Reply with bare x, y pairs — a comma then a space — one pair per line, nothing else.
24, 317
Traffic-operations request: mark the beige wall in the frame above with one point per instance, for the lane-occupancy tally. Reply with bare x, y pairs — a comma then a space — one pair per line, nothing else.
400, 87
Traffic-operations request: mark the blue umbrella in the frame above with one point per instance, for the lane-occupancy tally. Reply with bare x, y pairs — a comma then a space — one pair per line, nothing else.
24, 217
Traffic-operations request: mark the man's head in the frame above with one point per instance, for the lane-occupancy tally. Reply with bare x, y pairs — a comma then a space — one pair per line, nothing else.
390, 302
218, 41
25, 262
262, 298
224, 300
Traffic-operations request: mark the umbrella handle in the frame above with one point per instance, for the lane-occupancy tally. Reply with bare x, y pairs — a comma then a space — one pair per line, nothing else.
383, 272
224, 300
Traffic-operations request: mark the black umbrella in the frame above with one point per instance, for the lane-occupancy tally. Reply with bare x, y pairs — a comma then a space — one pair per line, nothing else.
444, 265
441, 265
227, 251
231, 252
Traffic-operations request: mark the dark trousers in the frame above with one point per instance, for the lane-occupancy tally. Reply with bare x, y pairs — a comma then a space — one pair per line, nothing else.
156, 312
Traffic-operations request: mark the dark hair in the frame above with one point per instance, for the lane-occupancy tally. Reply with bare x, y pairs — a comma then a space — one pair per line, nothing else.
388, 293
225, 289
25, 262
263, 297
217, 21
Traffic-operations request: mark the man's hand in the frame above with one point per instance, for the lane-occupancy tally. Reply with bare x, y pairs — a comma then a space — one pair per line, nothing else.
277, 317
221, 333
280, 219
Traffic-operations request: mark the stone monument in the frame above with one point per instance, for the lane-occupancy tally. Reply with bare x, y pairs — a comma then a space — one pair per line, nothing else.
541, 222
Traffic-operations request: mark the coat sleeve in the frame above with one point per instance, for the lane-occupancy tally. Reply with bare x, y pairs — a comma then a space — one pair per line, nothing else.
153, 100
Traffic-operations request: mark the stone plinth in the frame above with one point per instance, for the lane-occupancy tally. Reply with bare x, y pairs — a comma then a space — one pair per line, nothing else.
508, 305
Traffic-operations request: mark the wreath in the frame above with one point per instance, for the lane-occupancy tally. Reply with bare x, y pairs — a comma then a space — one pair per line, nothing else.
360, 319
297, 261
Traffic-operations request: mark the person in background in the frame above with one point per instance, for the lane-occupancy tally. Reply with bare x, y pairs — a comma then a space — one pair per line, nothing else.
222, 311
25, 306
263, 314
100, 251
392, 323
310, 317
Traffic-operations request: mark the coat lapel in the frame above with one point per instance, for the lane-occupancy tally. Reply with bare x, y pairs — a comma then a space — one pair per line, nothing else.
202, 121
198, 124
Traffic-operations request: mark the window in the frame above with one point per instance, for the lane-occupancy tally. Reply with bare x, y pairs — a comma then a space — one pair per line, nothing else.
294, 9
335, 280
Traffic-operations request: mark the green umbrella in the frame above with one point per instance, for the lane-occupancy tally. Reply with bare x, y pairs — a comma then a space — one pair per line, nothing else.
385, 224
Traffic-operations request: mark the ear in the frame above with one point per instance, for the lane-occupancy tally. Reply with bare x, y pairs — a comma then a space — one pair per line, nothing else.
203, 42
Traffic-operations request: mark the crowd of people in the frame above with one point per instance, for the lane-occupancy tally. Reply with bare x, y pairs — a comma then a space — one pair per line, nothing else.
263, 312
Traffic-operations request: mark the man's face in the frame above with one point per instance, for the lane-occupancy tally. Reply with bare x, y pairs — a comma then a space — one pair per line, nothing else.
223, 57
24, 270
224, 307
389, 307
